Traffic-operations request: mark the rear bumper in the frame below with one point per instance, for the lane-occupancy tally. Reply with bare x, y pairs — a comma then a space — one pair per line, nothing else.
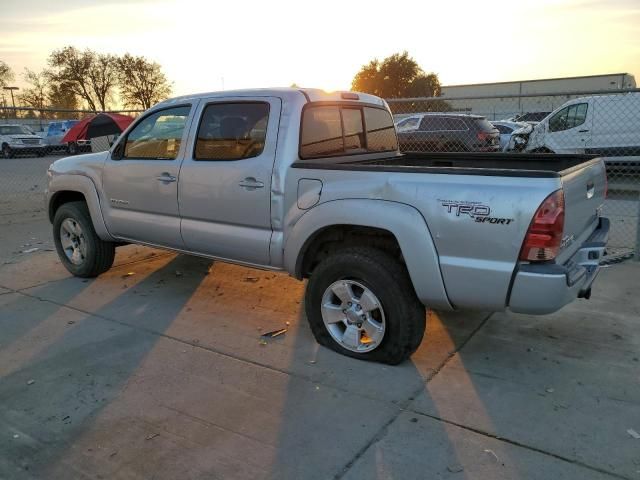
539, 289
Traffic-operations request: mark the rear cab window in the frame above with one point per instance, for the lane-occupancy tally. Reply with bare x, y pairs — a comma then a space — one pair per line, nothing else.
345, 129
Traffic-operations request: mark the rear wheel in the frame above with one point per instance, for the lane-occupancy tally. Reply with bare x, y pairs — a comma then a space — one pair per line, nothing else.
81, 251
360, 302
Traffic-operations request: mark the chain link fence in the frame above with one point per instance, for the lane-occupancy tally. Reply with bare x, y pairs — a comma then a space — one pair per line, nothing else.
30, 140
603, 123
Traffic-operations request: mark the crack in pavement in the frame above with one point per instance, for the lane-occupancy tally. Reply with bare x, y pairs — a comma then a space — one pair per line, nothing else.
382, 431
519, 444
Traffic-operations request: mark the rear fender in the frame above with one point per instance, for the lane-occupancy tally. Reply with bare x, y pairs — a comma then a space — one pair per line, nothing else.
403, 221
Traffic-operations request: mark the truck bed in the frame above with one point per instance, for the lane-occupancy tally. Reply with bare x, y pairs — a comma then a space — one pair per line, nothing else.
493, 164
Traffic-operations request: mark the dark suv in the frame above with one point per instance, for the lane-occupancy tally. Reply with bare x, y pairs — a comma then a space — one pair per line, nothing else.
447, 132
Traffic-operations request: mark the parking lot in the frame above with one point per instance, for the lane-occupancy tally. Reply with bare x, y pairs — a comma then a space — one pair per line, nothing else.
156, 370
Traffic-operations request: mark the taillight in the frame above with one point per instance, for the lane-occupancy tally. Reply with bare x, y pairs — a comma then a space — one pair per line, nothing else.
544, 236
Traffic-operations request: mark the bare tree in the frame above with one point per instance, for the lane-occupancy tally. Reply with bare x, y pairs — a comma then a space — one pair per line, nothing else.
36, 95
89, 75
6, 75
141, 81
103, 76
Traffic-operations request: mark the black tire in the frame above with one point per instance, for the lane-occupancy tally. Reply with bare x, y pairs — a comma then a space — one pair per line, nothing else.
389, 280
7, 152
99, 254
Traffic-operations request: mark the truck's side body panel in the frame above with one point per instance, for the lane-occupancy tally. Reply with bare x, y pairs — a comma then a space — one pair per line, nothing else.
403, 221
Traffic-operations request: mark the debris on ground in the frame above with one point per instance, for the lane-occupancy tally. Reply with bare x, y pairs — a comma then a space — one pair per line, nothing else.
178, 273
312, 362
251, 279
491, 452
31, 382
455, 468
274, 333
152, 436
549, 390
128, 274
633, 433
413, 420
15, 435
71, 322
30, 250
263, 341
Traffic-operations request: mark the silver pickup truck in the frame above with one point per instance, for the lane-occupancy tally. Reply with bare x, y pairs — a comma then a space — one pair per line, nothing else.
313, 183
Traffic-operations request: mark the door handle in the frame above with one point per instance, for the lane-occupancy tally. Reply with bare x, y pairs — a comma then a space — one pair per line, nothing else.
250, 183
583, 131
166, 177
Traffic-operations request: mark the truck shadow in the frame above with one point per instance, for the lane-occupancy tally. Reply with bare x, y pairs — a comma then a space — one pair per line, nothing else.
52, 393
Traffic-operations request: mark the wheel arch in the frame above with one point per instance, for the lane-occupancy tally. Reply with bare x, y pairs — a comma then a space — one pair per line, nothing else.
391, 226
69, 188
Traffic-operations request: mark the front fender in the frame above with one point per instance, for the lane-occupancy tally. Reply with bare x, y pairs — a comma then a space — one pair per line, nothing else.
59, 183
403, 221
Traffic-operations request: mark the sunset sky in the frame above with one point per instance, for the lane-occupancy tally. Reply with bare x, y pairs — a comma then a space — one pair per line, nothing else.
208, 45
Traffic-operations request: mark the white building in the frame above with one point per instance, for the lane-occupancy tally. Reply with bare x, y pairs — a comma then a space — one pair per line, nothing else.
544, 95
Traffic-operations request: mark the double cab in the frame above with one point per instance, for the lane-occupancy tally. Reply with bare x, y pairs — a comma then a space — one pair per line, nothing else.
313, 183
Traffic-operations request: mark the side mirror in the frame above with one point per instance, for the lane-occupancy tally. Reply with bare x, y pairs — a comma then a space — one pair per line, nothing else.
118, 152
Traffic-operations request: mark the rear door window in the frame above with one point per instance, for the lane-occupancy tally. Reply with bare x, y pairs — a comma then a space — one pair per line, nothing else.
430, 124
232, 131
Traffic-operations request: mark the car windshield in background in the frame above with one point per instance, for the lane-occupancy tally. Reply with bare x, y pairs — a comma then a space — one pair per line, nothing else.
15, 130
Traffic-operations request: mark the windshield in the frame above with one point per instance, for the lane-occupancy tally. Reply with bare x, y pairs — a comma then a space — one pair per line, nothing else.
15, 130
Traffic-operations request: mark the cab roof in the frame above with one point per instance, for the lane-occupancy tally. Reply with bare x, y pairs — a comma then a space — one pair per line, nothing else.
286, 93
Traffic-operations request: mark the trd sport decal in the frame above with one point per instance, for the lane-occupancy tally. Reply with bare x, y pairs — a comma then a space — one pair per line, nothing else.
479, 212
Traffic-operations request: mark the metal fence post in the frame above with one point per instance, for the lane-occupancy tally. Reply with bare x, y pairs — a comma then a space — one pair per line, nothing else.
636, 255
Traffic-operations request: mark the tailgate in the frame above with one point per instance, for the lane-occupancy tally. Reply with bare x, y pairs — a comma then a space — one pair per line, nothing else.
584, 193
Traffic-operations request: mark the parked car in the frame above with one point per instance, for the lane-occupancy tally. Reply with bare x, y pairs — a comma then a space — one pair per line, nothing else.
313, 184
528, 117
20, 139
54, 134
605, 125
507, 130
447, 132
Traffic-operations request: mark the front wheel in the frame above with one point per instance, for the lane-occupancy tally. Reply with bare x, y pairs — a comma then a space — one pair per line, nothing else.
81, 251
7, 152
360, 302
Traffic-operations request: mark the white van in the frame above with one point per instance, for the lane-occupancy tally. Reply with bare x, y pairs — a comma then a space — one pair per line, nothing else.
607, 125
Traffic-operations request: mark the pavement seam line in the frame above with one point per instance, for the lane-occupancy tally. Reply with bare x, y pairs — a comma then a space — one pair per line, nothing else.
515, 443
382, 431
202, 347
48, 282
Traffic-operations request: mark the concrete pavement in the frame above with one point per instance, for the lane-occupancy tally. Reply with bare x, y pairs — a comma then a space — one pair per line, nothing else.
156, 370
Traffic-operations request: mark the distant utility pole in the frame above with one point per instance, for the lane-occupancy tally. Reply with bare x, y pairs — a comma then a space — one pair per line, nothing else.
11, 89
